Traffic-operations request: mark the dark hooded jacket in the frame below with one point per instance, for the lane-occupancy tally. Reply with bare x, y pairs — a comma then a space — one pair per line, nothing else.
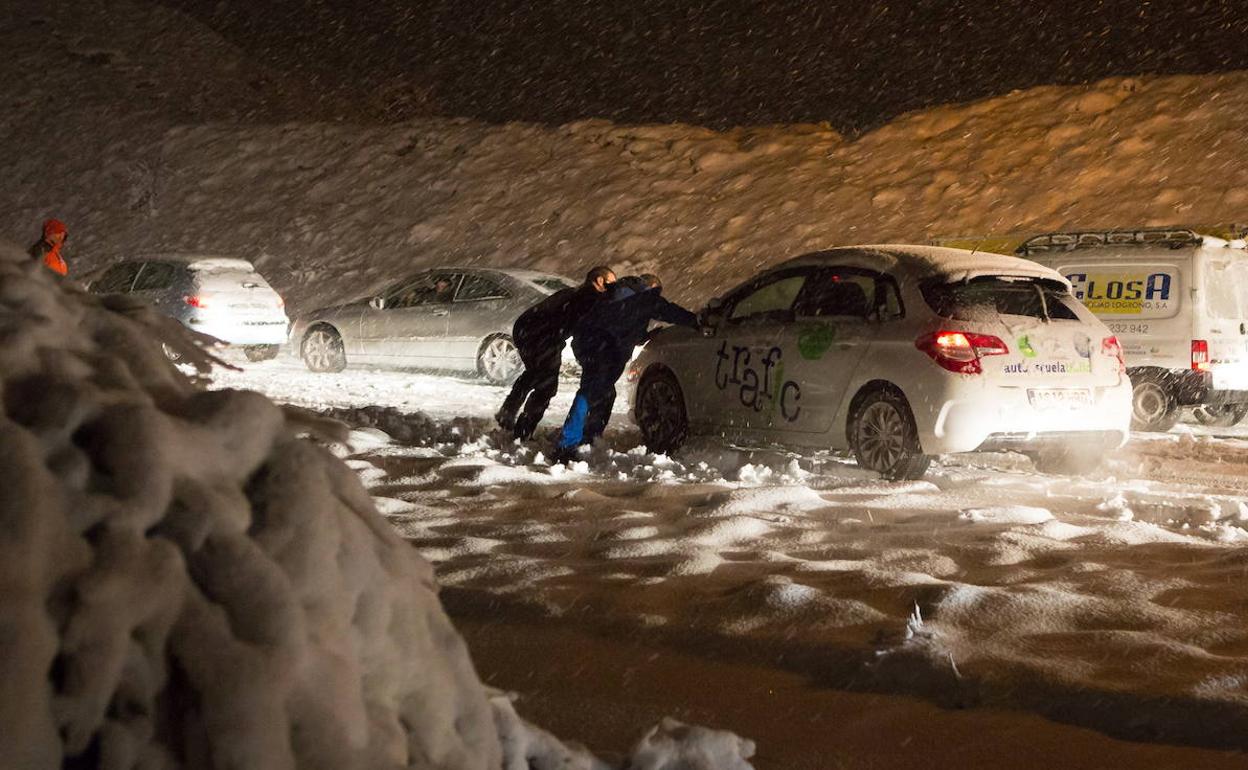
625, 316
550, 322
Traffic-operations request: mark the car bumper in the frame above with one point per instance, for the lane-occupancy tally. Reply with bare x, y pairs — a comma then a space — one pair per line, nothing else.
258, 332
983, 417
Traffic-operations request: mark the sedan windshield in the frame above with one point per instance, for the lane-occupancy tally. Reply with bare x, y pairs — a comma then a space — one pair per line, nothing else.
1004, 295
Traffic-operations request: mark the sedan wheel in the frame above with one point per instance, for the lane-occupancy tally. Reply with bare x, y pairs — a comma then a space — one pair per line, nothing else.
660, 413
499, 361
323, 352
884, 437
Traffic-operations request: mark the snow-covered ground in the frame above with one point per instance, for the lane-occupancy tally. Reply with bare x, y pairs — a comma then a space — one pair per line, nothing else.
1117, 601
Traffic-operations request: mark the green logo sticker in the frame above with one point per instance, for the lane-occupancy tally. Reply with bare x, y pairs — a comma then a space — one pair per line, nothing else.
1024, 347
813, 341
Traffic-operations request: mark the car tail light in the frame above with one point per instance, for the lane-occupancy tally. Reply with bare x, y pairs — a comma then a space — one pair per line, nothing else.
1200, 355
960, 351
195, 301
633, 374
1111, 347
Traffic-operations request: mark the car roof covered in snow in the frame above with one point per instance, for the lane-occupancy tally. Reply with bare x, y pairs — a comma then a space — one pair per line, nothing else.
198, 261
520, 274
926, 262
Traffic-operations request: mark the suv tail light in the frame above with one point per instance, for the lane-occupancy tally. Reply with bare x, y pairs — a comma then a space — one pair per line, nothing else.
195, 301
960, 351
1111, 347
1200, 355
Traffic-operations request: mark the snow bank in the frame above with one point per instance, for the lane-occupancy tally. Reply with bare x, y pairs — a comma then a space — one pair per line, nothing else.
162, 135
705, 208
186, 582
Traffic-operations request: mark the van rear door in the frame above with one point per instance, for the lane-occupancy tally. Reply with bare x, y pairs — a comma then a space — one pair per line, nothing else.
1140, 302
1223, 324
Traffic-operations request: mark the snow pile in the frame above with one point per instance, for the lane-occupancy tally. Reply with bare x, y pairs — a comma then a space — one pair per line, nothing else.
705, 208
185, 581
203, 150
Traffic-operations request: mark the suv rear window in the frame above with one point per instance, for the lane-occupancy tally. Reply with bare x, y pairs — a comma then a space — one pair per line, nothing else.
1003, 295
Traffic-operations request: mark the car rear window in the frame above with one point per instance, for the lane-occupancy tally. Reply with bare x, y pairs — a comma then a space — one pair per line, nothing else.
1003, 295
553, 284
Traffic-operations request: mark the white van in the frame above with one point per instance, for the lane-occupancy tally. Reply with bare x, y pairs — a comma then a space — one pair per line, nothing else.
1178, 302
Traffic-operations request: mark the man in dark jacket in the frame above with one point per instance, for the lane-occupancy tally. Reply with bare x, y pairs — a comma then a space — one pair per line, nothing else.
48, 248
603, 341
539, 334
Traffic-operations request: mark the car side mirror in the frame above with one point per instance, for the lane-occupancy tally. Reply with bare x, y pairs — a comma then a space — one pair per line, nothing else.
377, 303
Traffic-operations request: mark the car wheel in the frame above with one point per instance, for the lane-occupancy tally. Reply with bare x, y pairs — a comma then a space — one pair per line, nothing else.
1223, 416
660, 412
884, 437
499, 360
323, 352
1153, 406
260, 352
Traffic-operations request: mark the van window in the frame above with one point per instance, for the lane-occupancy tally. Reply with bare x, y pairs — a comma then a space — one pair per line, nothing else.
1225, 289
1138, 292
1002, 295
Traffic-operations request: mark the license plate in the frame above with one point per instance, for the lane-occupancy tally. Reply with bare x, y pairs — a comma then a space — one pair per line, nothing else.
1047, 398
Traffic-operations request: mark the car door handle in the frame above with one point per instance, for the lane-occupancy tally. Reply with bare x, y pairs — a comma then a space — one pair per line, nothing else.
441, 312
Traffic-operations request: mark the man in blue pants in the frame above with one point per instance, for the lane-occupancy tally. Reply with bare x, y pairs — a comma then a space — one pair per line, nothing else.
603, 342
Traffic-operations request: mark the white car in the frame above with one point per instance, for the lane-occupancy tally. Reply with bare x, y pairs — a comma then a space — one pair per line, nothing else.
897, 353
223, 297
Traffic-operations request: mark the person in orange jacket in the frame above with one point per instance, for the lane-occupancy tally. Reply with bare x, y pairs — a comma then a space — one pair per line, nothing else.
48, 248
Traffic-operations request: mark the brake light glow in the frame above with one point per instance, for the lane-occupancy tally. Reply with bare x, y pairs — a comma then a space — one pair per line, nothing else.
1200, 355
960, 351
1111, 347
195, 301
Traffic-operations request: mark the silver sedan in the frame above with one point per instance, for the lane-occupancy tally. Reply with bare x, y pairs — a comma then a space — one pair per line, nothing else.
451, 318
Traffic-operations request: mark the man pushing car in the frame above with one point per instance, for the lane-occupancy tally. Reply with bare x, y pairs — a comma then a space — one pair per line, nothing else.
603, 341
539, 334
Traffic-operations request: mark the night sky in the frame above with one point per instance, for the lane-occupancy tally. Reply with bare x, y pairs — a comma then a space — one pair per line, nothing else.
853, 63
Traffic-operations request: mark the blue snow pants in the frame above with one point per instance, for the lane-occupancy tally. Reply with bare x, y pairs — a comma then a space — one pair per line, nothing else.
602, 362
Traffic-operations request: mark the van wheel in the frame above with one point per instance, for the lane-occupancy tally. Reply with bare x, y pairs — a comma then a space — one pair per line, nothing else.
884, 438
1153, 406
322, 351
1223, 416
499, 361
660, 412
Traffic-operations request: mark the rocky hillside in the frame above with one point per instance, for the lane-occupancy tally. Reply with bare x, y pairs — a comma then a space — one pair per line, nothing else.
332, 209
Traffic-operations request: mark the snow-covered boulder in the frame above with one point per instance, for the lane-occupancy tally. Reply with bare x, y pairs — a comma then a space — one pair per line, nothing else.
186, 581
